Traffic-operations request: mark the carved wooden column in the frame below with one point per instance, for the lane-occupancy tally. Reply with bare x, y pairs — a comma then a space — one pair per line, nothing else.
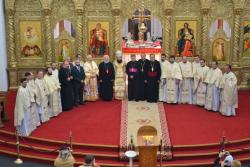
204, 34
11, 38
117, 30
48, 43
85, 39
167, 31
79, 31
236, 37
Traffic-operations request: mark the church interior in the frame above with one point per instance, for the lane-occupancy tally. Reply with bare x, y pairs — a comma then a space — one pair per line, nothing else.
126, 132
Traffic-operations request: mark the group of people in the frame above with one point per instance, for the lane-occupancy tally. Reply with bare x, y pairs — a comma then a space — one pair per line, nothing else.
66, 159
37, 100
151, 80
165, 80
183, 82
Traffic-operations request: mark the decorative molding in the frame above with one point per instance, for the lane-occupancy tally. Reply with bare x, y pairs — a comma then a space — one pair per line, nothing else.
11, 38
80, 12
167, 31
204, 33
236, 42
48, 36
79, 32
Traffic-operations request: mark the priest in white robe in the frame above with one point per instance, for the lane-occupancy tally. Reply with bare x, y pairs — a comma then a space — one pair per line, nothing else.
53, 90
173, 80
32, 96
163, 84
42, 98
200, 87
22, 114
186, 85
55, 71
91, 72
213, 92
229, 93
195, 65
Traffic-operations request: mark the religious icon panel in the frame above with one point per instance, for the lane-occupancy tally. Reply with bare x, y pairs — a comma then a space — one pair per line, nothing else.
30, 38
186, 37
65, 50
246, 39
98, 38
219, 53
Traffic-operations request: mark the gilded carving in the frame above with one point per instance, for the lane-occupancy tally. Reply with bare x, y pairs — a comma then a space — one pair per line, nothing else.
204, 32
11, 38
237, 31
117, 29
167, 31
48, 37
79, 32
81, 12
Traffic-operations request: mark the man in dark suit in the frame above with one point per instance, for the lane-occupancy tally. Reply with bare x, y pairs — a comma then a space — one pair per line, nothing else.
78, 79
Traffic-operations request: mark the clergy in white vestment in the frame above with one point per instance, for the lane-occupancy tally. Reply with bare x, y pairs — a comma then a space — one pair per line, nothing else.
229, 93
213, 79
186, 85
195, 65
91, 72
163, 84
54, 96
42, 97
55, 70
32, 97
120, 77
200, 87
22, 114
173, 80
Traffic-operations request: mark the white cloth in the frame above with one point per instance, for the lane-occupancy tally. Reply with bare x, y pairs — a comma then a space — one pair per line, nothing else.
54, 97
173, 74
34, 112
213, 79
163, 83
42, 100
55, 74
229, 94
195, 65
91, 72
200, 85
186, 85
22, 114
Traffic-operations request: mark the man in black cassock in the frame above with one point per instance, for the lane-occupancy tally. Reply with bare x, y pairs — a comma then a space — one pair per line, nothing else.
65, 79
132, 70
153, 74
143, 62
106, 79
78, 79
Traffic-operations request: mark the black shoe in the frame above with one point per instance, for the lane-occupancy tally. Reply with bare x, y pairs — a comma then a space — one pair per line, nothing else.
82, 103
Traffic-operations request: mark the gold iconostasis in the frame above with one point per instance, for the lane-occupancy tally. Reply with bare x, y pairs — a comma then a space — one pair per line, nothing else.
40, 32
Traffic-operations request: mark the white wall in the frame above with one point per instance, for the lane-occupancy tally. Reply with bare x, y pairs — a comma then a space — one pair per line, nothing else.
3, 51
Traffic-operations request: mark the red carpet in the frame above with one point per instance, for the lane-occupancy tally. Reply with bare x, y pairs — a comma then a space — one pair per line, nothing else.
95, 123
190, 124
99, 123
